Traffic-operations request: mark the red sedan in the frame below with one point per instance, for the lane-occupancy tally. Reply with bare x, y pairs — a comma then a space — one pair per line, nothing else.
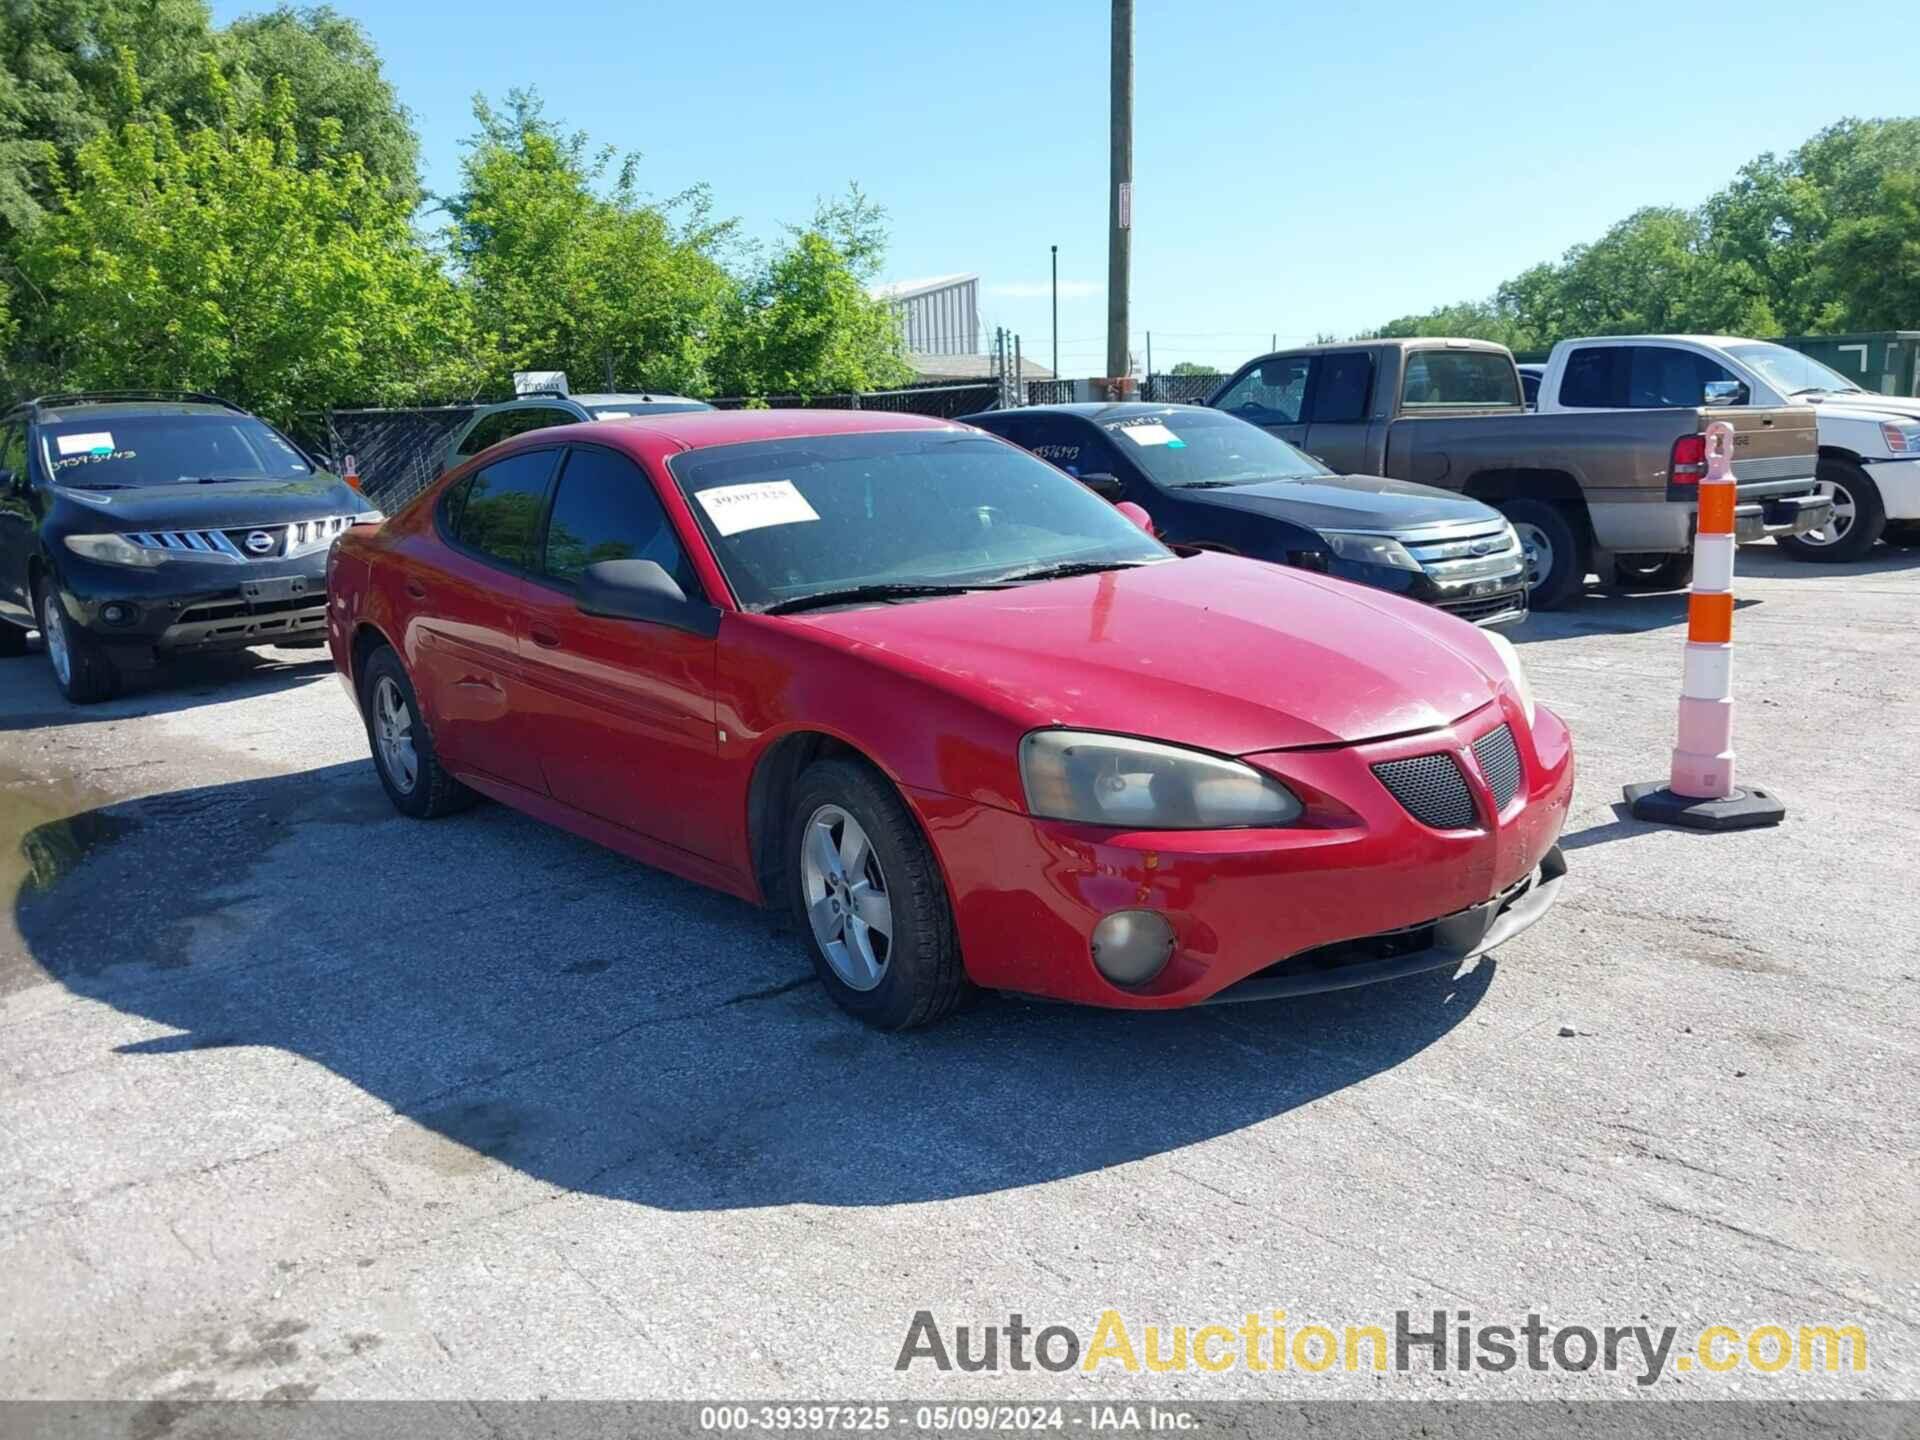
972, 724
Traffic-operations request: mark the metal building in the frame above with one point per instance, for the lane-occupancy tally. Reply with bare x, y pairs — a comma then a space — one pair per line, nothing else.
940, 316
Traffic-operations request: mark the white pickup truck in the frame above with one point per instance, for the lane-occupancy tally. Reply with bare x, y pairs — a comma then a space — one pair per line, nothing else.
1869, 443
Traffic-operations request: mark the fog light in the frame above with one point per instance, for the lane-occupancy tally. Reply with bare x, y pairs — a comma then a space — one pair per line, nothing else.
117, 614
1130, 947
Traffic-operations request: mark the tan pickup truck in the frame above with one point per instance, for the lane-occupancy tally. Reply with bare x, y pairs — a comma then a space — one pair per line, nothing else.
1608, 491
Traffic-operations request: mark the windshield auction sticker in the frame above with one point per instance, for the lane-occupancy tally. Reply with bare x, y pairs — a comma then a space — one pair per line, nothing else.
95, 442
1151, 433
735, 508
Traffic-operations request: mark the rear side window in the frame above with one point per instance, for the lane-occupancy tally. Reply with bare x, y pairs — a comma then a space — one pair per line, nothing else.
1340, 393
1458, 377
1595, 378
495, 512
606, 509
504, 424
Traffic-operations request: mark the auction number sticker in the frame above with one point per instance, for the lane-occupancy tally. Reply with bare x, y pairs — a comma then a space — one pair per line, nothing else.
1152, 433
94, 442
734, 508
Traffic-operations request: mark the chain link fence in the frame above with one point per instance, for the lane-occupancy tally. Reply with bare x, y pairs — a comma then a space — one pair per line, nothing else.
1179, 389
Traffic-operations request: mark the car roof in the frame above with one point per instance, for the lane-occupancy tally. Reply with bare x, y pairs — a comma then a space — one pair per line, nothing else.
56, 412
549, 397
699, 429
1095, 410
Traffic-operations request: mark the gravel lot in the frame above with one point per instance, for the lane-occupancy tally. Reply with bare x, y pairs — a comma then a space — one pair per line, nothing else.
300, 1097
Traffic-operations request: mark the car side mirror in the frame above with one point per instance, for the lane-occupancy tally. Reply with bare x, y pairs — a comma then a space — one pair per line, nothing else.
1724, 392
1107, 487
1137, 515
643, 590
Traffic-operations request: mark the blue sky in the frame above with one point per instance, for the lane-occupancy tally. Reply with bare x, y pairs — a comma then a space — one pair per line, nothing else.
1297, 168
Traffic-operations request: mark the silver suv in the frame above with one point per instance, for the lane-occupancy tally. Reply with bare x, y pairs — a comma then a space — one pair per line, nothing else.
491, 424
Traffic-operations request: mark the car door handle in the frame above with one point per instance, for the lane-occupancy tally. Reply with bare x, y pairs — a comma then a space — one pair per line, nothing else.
544, 638
416, 590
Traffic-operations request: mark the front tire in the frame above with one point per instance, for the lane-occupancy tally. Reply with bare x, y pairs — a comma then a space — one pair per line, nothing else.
1556, 551
80, 667
403, 755
870, 898
1652, 572
1858, 518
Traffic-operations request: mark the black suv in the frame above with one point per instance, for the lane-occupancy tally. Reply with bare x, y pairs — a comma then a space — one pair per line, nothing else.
136, 525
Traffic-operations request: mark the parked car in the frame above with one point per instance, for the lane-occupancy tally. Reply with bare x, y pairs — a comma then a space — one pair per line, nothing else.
1530, 377
1609, 492
1869, 443
968, 722
1213, 482
491, 424
136, 526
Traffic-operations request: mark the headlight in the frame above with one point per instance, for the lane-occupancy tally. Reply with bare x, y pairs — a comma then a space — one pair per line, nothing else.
1510, 657
1114, 780
1370, 549
116, 550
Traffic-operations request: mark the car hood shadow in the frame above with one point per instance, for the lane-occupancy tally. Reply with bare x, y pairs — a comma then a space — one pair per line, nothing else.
526, 999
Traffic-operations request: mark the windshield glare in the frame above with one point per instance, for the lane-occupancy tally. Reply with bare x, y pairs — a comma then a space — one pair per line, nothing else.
1205, 447
791, 518
167, 450
1788, 370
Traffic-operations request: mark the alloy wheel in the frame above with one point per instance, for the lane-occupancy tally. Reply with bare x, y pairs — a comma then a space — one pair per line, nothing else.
1539, 552
53, 629
846, 896
393, 733
1844, 509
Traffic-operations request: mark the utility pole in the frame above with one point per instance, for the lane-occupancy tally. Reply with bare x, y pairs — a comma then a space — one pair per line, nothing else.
1149, 358
1056, 312
1120, 197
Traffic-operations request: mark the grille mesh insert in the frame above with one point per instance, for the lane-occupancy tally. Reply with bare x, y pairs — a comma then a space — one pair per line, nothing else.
1500, 763
1431, 788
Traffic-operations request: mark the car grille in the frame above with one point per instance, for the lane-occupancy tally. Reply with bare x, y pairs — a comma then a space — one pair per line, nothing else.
1473, 553
1500, 763
229, 545
1431, 789
1484, 607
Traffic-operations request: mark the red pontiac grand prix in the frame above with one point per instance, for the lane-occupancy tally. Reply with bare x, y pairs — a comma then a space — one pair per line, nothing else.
971, 723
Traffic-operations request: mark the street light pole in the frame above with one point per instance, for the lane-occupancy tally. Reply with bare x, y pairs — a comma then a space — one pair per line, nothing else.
1120, 197
1056, 311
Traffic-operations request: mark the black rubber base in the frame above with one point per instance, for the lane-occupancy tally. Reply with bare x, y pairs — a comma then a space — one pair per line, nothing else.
1748, 808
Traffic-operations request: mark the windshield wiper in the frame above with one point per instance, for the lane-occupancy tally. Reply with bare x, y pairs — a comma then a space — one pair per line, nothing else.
855, 594
1070, 568
222, 479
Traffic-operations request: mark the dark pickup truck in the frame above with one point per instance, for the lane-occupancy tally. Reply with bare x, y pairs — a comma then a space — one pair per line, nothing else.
1607, 491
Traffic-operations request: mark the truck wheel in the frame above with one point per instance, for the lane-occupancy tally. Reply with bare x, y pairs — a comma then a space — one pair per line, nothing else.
1858, 517
1652, 572
869, 896
80, 667
1556, 552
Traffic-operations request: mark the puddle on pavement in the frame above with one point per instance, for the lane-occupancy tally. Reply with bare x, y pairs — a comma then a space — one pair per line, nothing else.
47, 827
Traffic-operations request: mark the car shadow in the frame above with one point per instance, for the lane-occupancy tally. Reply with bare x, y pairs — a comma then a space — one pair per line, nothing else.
1611, 612
29, 699
520, 994
1773, 563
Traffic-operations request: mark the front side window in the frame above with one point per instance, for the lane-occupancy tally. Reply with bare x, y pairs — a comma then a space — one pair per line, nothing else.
1188, 449
495, 512
112, 451
789, 519
605, 509
1271, 393
1438, 378
1660, 377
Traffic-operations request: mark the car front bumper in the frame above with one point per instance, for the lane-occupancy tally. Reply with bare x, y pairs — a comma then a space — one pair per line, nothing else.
182, 607
1356, 893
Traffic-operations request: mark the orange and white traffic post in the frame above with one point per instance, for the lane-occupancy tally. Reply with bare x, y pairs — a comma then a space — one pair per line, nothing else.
1700, 792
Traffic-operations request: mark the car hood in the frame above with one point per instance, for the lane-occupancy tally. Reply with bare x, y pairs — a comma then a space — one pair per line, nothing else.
1867, 406
1214, 651
1349, 502
217, 506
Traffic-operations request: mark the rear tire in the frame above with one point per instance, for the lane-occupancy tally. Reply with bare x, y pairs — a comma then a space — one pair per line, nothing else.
80, 667
870, 899
1858, 518
1652, 572
1556, 552
403, 754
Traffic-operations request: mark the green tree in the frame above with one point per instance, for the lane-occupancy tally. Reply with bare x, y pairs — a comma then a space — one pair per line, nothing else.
220, 259
1871, 261
1193, 367
573, 270
804, 322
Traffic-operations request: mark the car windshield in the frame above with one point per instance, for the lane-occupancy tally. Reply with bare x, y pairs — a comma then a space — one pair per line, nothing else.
123, 450
790, 519
1204, 448
1788, 371
615, 410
